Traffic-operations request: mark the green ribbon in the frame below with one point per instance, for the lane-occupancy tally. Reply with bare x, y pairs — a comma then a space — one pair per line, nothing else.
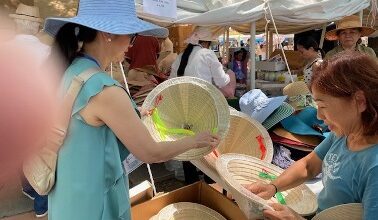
280, 198
164, 131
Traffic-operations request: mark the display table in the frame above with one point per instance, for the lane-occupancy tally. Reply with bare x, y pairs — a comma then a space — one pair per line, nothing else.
270, 88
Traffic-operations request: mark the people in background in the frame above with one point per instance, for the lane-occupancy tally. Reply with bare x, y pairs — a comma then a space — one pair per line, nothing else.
345, 88
239, 65
143, 58
198, 60
348, 32
311, 53
166, 57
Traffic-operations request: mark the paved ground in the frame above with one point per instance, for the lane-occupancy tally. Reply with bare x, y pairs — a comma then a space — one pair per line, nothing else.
164, 181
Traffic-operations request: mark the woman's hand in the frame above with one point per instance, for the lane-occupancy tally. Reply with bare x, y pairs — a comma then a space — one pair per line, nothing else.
281, 212
265, 191
205, 139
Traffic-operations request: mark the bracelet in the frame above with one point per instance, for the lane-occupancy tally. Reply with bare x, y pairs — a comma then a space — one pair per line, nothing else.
275, 187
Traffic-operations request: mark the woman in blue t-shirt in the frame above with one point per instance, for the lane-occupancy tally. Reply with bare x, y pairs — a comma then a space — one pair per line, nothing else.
345, 89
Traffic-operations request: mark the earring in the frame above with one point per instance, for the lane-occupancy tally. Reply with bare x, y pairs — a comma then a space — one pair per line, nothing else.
109, 40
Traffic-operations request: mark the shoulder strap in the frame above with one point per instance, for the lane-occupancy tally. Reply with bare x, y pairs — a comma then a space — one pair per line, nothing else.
77, 83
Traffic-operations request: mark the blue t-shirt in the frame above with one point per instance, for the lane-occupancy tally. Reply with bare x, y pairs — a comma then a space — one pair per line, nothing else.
348, 176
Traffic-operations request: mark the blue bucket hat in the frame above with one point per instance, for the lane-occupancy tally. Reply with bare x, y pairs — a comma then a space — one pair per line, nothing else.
305, 123
257, 105
110, 16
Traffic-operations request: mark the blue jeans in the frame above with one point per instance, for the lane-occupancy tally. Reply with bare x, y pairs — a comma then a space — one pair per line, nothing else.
40, 202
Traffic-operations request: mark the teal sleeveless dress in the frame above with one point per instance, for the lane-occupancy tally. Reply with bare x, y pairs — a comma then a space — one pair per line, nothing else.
90, 179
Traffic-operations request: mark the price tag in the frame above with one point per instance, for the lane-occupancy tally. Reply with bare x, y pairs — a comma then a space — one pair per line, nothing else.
131, 163
162, 8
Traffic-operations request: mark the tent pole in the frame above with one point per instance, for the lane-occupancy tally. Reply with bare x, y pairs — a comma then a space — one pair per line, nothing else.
252, 56
322, 37
270, 44
227, 44
361, 14
224, 45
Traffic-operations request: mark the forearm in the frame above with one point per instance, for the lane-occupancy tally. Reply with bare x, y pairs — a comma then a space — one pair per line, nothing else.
167, 150
295, 175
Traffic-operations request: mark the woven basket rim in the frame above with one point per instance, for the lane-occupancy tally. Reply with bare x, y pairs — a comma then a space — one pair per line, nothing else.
220, 102
221, 166
353, 210
296, 88
258, 126
171, 209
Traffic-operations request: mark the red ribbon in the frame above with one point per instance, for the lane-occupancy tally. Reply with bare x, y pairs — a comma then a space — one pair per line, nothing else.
260, 139
158, 100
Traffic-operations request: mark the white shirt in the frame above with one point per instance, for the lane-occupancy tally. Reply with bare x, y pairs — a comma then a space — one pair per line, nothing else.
39, 50
203, 64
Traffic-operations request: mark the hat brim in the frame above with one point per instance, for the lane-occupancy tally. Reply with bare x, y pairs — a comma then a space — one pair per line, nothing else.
109, 24
302, 122
25, 17
332, 35
264, 113
340, 212
282, 112
305, 139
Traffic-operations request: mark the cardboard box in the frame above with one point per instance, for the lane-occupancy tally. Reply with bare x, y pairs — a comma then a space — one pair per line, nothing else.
141, 193
294, 58
198, 192
178, 34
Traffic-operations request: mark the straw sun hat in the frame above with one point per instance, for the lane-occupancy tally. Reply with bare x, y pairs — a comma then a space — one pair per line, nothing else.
282, 112
237, 170
184, 106
187, 211
351, 211
347, 22
26, 12
299, 96
245, 136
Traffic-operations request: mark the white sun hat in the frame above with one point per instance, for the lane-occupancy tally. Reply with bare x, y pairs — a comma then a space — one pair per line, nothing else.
350, 211
187, 211
184, 106
237, 170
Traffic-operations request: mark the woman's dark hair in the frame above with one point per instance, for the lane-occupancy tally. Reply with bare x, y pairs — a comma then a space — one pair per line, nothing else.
308, 42
184, 59
347, 73
67, 40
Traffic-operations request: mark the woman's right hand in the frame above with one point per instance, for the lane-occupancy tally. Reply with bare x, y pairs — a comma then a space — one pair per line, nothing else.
263, 190
205, 139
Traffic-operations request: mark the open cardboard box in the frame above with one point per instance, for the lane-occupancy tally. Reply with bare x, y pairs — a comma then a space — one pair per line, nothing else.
141, 193
198, 192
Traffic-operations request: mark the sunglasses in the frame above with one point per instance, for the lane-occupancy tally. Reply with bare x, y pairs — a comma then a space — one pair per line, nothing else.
132, 39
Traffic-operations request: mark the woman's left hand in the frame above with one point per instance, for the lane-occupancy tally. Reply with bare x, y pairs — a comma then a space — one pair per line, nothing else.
281, 212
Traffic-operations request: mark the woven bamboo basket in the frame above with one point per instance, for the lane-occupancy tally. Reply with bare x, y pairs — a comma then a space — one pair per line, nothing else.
242, 138
187, 103
187, 211
237, 170
351, 211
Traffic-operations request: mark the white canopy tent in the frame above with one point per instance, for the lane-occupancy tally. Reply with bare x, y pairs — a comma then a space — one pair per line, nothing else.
251, 16
291, 16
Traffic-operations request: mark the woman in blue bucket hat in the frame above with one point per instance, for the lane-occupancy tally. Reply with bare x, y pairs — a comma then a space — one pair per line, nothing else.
345, 88
104, 127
